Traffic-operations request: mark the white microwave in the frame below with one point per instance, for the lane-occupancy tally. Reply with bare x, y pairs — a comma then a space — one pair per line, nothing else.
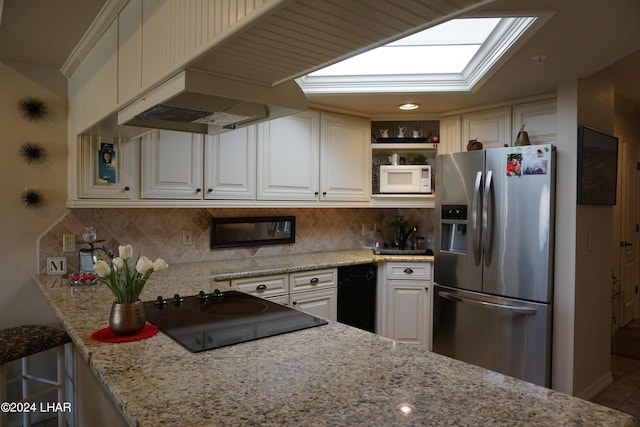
405, 179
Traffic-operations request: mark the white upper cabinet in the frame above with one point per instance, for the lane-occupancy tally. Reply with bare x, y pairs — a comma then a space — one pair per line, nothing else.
345, 158
288, 157
491, 127
450, 135
230, 165
539, 120
171, 165
105, 168
314, 156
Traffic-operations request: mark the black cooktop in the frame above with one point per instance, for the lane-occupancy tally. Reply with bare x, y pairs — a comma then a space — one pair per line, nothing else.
207, 321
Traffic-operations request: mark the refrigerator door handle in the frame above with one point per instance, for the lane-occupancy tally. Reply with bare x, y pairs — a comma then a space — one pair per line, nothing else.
487, 218
508, 308
476, 212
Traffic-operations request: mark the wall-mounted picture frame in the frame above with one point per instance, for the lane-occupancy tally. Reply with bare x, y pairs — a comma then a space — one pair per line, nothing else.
253, 231
597, 167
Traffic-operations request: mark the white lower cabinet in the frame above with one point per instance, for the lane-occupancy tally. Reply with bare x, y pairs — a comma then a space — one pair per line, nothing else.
321, 303
408, 315
314, 292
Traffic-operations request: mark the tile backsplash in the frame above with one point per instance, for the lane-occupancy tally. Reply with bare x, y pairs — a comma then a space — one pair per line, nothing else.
157, 233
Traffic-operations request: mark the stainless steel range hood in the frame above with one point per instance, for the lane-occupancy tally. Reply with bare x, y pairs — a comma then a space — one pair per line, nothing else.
200, 102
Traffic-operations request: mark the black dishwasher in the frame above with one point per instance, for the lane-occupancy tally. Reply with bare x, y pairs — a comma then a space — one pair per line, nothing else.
357, 296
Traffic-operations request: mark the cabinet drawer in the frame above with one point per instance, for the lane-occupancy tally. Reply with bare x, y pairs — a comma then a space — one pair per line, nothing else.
409, 270
263, 286
316, 279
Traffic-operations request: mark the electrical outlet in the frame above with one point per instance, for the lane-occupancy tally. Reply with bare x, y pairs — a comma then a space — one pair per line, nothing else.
68, 243
187, 238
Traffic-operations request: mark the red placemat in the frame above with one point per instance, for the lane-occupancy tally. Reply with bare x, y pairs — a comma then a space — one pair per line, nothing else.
107, 335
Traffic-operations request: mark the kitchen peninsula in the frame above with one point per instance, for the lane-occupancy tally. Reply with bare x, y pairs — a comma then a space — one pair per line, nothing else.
329, 375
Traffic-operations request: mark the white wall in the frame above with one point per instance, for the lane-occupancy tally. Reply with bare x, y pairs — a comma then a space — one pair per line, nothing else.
582, 312
20, 301
564, 277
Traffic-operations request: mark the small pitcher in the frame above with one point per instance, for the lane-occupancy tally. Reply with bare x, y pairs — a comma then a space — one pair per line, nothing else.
401, 131
417, 133
384, 133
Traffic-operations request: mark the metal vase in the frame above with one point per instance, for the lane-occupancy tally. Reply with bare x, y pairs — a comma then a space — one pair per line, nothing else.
127, 318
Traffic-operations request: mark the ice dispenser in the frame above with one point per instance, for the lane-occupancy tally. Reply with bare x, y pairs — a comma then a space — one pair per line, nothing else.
453, 228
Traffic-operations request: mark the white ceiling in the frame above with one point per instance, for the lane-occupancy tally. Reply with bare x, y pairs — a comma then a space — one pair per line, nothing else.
583, 37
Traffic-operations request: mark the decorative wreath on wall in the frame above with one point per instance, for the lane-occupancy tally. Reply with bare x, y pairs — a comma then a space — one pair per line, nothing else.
32, 108
32, 198
33, 152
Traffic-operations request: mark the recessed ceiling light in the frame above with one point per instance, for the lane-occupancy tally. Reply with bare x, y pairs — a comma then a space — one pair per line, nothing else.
409, 106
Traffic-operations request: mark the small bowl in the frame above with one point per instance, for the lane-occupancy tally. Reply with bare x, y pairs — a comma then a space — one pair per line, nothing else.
84, 278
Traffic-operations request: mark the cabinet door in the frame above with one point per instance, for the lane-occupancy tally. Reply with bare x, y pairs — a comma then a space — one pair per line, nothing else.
321, 303
279, 299
540, 120
171, 165
288, 153
345, 158
450, 135
102, 177
230, 164
491, 127
408, 318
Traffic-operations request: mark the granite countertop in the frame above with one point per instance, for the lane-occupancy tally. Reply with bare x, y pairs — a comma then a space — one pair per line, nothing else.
332, 375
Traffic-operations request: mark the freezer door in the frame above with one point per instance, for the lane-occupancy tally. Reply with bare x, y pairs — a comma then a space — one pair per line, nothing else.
518, 203
458, 239
506, 336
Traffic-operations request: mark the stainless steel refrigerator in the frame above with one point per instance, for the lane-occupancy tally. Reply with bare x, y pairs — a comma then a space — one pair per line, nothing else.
493, 267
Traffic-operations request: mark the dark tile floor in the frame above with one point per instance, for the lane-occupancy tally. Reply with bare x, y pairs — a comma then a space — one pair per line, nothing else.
624, 393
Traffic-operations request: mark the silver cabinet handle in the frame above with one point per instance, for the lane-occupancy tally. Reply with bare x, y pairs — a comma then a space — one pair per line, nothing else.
314, 281
408, 271
508, 308
261, 287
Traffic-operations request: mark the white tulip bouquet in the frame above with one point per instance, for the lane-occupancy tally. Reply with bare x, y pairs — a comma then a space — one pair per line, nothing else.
124, 281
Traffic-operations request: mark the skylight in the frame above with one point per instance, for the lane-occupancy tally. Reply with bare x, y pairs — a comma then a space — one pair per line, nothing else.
452, 56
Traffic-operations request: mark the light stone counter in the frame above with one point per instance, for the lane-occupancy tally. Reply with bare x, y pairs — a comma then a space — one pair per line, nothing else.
332, 375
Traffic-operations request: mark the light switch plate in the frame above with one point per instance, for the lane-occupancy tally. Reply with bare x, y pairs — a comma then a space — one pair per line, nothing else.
56, 266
